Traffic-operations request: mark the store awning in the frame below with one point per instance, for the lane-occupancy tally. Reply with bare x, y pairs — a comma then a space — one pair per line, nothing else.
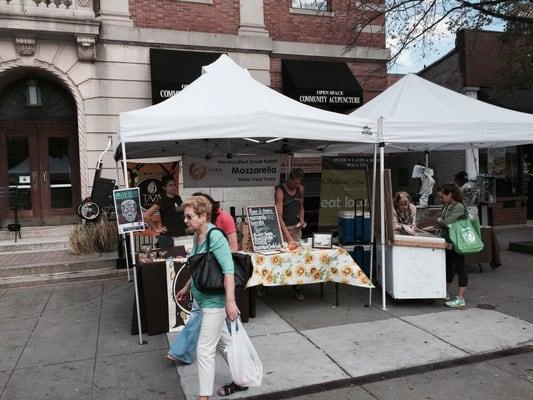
326, 85
173, 70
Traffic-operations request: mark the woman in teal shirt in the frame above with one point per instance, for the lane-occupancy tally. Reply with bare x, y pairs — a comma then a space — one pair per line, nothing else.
451, 197
215, 307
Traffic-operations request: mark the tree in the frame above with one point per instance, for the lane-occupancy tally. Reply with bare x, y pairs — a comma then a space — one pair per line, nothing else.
420, 23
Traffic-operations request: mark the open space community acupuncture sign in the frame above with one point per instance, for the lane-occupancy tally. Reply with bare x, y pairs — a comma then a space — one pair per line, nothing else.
264, 228
231, 172
343, 181
128, 209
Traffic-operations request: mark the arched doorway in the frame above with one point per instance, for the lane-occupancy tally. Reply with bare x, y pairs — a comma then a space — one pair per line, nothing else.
39, 156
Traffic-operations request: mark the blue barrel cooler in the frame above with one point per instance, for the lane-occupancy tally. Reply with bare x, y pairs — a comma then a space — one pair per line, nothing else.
346, 225
363, 223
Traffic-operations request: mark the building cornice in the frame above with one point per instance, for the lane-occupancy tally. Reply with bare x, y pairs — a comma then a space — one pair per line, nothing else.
239, 43
60, 26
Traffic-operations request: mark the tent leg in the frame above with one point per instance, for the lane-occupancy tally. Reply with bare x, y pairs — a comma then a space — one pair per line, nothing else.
372, 221
132, 249
123, 237
127, 257
382, 210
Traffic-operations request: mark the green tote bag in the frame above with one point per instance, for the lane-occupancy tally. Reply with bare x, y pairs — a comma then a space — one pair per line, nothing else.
465, 236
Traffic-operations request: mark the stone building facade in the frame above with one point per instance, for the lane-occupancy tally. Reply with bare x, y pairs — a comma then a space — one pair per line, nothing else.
68, 68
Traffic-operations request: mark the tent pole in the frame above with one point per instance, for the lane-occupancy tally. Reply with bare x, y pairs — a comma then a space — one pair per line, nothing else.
372, 221
382, 211
123, 236
132, 249
427, 158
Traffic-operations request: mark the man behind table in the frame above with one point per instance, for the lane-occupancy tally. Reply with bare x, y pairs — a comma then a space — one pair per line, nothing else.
290, 206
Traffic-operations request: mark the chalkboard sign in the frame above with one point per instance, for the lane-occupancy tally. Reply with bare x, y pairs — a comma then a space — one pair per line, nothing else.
264, 228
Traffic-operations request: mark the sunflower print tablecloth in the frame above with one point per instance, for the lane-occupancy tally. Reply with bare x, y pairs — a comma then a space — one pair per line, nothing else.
307, 265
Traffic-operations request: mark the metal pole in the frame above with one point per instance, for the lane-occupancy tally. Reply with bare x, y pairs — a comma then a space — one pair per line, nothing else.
123, 236
372, 220
132, 249
382, 209
427, 158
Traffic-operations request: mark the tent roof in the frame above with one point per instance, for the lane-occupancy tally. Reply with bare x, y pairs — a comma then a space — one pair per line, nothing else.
420, 115
227, 111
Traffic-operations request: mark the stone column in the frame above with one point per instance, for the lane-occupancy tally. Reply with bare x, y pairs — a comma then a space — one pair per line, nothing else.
471, 155
252, 18
115, 12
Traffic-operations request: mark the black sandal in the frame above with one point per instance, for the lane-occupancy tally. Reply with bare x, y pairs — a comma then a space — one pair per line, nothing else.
231, 388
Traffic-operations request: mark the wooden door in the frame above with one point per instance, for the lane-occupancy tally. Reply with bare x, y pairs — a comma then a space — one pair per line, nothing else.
59, 172
41, 161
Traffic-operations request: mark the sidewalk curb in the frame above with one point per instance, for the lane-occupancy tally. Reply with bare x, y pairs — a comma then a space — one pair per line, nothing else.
382, 376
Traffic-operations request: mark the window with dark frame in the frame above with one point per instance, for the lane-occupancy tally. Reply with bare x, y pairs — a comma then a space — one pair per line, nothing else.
314, 5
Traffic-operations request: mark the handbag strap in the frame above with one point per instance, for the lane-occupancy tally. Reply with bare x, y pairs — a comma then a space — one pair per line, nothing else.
207, 244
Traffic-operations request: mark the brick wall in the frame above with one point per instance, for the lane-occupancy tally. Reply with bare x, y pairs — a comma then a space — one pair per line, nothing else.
445, 72
220, 17
509, 212
393, 78
336, 29
483, 57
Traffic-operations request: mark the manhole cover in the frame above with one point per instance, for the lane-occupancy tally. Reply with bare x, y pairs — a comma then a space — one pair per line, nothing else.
486, 306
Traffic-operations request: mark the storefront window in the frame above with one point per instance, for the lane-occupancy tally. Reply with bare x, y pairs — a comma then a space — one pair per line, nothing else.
317, 5
504, 164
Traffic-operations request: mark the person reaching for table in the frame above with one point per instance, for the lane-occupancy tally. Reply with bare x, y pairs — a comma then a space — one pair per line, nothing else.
404, 214
290, 207
215, 308
223, 221
289, 199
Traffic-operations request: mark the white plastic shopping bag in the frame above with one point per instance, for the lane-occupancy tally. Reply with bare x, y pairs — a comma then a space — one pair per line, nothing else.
244, 363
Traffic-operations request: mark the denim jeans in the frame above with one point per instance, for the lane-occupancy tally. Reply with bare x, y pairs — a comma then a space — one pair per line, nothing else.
184, 347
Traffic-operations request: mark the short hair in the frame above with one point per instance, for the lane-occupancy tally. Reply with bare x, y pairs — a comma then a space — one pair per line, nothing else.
166, 179
215, 205
401, 195
199, 204
453, 189
297, 173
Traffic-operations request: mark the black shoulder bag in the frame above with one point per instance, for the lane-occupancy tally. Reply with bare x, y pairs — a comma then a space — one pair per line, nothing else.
207, 273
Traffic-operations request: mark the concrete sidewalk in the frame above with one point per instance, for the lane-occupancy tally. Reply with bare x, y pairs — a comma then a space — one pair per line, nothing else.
314, 344
73, 341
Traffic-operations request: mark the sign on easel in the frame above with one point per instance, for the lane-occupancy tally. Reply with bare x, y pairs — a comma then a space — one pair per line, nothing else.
128, 209
265, 230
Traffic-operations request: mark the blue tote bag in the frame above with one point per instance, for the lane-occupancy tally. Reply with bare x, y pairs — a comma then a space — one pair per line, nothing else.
184, 347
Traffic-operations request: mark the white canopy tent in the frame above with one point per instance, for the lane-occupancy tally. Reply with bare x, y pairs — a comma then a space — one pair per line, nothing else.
227, 112
418, 115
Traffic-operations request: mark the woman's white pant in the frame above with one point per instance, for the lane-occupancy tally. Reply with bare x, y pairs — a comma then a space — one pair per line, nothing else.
213, 334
